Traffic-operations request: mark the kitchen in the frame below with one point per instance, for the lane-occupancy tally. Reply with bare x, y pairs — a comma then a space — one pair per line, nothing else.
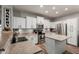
24, 30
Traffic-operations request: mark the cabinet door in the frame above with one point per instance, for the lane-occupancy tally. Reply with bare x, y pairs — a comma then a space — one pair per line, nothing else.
52, 25
31, 22
19, 22
35, 39
15, 22
22, 22
50, 45
40, 20
47, 24
72, 31
28, 24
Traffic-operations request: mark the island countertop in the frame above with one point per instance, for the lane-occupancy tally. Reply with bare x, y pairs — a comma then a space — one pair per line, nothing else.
56, 36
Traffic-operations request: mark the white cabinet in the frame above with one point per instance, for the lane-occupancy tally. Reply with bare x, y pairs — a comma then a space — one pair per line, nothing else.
50, 45
54, 46
40, 20
52, 25
18, 22
72, 31
33, 39
46, 23
33, 22
30, 22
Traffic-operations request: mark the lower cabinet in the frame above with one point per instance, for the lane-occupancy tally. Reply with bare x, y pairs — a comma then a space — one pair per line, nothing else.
33, 39
50, 46
54, 46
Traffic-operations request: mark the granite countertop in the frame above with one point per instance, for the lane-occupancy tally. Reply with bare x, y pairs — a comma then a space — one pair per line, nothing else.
4, 36
25, 47
56, 36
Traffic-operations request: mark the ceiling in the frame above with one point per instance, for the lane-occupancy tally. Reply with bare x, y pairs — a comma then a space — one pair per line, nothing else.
60, 9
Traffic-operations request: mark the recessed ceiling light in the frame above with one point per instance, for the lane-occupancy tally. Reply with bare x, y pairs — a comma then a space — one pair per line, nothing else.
57, 12
41, 6
53, 8
66, 9
46, 11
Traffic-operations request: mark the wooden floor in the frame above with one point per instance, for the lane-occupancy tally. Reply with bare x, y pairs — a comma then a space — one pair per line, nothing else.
72, 49
43, 48
69, 49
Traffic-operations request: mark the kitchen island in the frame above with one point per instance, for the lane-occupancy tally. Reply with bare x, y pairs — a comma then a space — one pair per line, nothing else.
55, 43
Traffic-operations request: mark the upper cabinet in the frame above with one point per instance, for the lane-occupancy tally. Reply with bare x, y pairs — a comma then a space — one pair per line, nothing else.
30, 22
34, 23
52, 25
40, 20
46, 23
43, 21
18, 22
7, 17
